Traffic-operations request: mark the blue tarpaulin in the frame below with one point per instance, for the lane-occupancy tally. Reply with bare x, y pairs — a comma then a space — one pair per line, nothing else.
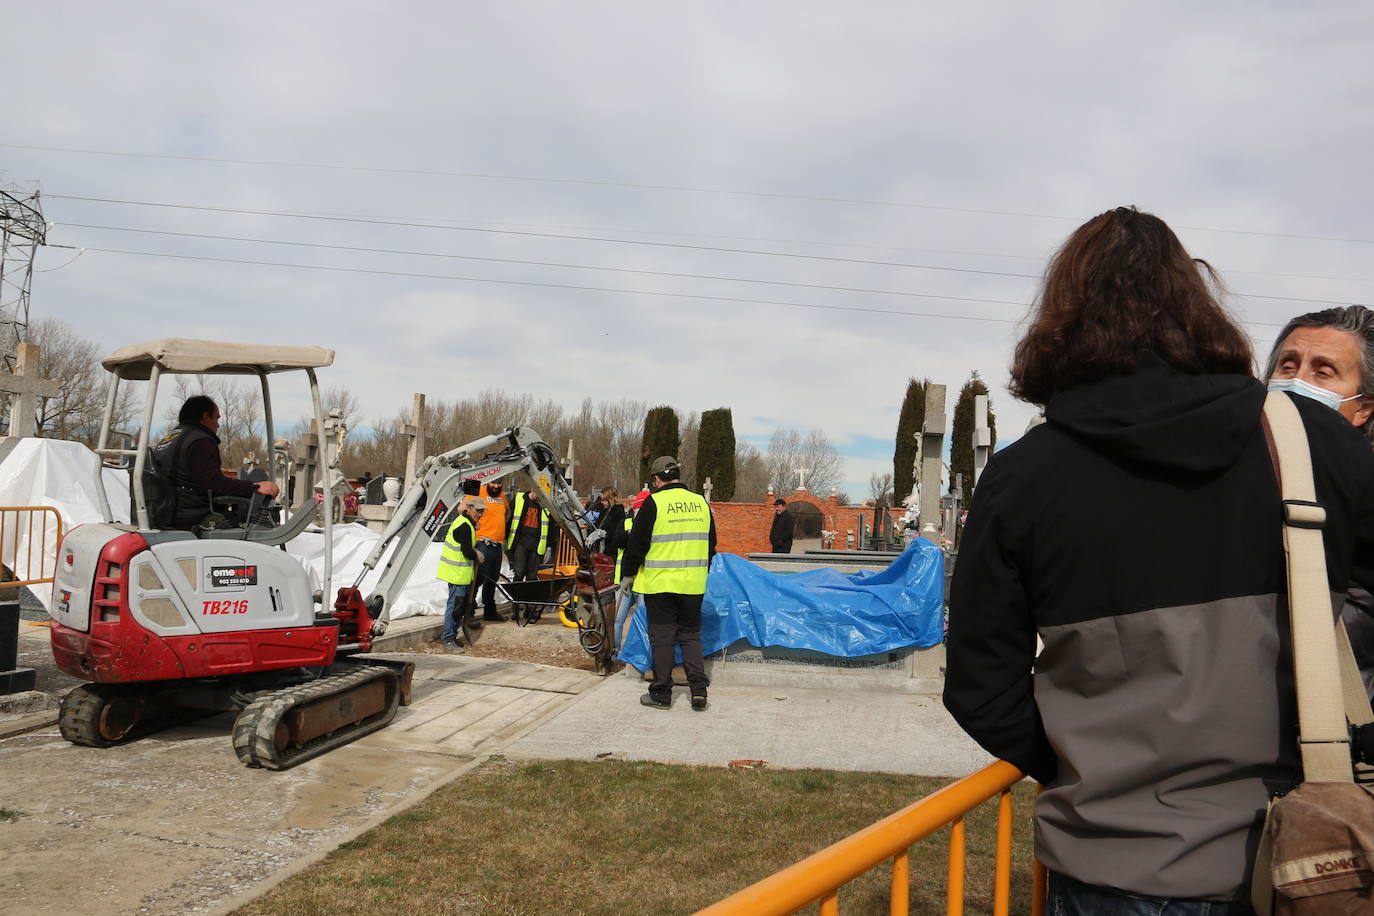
841, 614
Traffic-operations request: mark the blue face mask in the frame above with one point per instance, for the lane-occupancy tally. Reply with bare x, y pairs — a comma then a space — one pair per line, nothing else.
1308, 390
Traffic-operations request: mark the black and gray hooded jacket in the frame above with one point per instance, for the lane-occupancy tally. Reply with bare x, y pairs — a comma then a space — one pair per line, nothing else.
1137, 533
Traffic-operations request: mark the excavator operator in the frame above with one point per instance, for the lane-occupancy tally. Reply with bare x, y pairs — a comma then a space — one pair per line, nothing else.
189, 456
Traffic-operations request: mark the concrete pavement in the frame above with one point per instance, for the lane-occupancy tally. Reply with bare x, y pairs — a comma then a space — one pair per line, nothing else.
174, 824
795, 727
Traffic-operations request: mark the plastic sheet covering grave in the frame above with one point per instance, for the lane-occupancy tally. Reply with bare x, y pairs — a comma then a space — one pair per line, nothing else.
824, 610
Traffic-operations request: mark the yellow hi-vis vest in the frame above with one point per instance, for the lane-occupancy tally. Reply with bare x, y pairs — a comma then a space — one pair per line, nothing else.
517, 512
680, 549
619, 554
454, 568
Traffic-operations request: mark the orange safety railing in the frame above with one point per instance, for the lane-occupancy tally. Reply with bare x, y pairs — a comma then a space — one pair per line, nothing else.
818, 878
567, 552
29, 536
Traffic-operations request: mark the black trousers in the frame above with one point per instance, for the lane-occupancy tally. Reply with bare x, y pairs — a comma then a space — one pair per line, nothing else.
488, 573
675, 620
524, 560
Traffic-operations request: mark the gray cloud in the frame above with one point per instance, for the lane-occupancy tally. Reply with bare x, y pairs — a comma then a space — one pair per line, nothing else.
1242, 116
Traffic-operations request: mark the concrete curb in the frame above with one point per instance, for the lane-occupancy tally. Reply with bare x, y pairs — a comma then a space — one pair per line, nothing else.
28, 723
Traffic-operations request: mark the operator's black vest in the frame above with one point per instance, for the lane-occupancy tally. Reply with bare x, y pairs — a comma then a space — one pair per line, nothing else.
171, 461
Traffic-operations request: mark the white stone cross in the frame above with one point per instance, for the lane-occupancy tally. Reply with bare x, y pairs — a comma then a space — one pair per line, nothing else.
801, 476
24, 386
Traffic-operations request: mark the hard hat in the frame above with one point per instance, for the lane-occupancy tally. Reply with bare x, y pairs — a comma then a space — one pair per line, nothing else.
639, 499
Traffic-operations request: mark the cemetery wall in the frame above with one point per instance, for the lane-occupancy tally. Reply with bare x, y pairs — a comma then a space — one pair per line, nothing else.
742, 528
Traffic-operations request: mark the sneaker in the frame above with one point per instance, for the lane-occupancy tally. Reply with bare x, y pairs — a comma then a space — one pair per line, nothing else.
699, 702
450, 645
654, 702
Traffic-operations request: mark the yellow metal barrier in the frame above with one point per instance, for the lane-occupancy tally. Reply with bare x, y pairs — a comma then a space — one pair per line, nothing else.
28, 550
818, 878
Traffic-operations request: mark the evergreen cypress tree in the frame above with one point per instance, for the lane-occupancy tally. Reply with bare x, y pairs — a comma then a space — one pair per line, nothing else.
961, 434
716, 453
661, 437
909, 423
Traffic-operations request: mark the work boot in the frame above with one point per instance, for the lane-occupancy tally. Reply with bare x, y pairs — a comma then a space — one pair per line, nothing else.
492, 617
654, 702
699, 702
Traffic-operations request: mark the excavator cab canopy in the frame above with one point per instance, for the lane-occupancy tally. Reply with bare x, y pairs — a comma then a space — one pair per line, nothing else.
182, 356
208, 357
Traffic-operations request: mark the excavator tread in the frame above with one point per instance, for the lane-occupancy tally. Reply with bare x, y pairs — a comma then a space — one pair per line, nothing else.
255, 729
79, 715
137, 710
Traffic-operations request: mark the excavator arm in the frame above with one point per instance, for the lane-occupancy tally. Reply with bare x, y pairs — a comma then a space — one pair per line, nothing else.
437, 489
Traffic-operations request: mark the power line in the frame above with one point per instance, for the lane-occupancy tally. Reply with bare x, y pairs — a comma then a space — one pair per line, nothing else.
422, 222
490, 260
599, 289
773, 195
551, 235
627, 270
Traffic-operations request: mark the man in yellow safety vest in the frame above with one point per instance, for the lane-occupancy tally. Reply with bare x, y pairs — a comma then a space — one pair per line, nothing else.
527, 535
666, 560
456, 563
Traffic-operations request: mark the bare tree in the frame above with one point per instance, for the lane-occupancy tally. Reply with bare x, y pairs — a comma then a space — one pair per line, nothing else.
880, 488
687, 451
74, 362
751, 473
240, 407
337, 397
789, 450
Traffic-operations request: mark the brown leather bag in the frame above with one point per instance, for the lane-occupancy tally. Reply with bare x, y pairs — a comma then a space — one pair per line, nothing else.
1316, 851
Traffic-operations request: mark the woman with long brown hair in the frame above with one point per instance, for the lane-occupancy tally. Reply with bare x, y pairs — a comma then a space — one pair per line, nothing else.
1136, 533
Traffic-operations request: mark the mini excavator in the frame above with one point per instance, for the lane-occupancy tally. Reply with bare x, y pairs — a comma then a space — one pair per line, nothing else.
170, 625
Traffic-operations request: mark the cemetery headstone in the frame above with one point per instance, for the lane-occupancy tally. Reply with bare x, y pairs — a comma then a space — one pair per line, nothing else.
13, 679
415, 429
982, 436
932, 455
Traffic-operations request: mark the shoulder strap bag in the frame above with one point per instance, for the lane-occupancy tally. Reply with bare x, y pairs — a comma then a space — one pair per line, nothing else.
1317, 847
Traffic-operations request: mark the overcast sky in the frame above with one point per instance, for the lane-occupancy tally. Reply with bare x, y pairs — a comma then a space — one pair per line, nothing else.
967, 139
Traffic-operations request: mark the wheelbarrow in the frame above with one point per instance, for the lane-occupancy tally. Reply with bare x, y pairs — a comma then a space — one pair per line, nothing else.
530, 597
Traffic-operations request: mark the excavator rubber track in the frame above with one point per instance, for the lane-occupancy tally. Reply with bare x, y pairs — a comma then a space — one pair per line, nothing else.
103, 715
285, 727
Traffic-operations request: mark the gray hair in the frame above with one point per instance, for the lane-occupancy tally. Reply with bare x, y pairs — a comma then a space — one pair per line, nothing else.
1353, 319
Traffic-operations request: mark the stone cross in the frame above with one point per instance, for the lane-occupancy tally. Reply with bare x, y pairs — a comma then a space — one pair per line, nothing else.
982, 436
801, 476
305, 466
932, 454
335, 433
25, 387
706, 489
415, 429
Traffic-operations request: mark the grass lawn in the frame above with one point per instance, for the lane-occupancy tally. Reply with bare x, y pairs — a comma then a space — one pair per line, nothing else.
615, 837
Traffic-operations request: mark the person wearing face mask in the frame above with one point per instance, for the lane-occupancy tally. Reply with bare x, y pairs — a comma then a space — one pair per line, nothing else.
1118, 611
1328, 356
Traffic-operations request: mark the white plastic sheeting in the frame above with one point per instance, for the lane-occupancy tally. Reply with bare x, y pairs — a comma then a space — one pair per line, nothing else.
58, 473
422, 594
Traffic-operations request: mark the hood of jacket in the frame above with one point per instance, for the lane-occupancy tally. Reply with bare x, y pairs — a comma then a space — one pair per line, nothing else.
1160, 416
